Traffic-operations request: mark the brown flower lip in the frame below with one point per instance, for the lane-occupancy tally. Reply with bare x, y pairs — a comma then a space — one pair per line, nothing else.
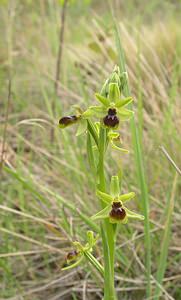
72, 255
68, 120
117, 212
111, 120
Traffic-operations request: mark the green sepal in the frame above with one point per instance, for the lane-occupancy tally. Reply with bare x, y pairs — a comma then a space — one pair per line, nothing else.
124, 102
114, 187
126, 197
134, 215
82, 127
114, 93
124, 114
106, 198
105, 101
104, 213
95, 111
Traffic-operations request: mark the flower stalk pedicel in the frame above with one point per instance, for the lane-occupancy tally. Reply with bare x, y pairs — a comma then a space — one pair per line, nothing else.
100, 123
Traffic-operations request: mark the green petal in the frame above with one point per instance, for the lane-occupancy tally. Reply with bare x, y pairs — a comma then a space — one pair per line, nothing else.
105, 101
95, 111
104, 197
104, 213
124, 114
123, 102
134, 215
114, 93
82, 127
126, 197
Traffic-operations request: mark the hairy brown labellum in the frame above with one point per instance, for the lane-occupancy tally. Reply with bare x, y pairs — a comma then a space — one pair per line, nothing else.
117, 212
72, 255
65, 121
111, 120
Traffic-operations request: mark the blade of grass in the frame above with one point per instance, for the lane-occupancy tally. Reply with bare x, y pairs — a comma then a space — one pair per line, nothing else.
29, 239
10, 65
136, 140
165, 241
170, 159
30, 186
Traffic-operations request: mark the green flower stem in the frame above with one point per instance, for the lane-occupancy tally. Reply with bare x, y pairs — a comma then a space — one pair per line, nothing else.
94, 262
107, 229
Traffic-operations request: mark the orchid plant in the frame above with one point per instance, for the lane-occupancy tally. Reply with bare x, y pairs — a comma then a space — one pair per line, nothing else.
101, 124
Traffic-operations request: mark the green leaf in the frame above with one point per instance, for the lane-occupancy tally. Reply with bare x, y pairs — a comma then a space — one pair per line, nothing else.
114, 93
134, 215
114, 186
92, 130
126, 197
91, 153
104, 197
124, 102
104, 213
105, 101
82, 127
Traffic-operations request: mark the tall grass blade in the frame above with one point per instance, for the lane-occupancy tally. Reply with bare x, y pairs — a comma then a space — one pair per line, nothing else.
165, 241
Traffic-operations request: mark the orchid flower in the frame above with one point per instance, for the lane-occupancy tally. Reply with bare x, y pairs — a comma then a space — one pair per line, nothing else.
115, 208
112, 109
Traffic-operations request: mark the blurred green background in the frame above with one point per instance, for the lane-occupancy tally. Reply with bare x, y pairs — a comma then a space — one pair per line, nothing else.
46, 180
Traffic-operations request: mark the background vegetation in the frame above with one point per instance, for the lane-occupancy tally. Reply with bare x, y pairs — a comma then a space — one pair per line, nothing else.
46, 182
